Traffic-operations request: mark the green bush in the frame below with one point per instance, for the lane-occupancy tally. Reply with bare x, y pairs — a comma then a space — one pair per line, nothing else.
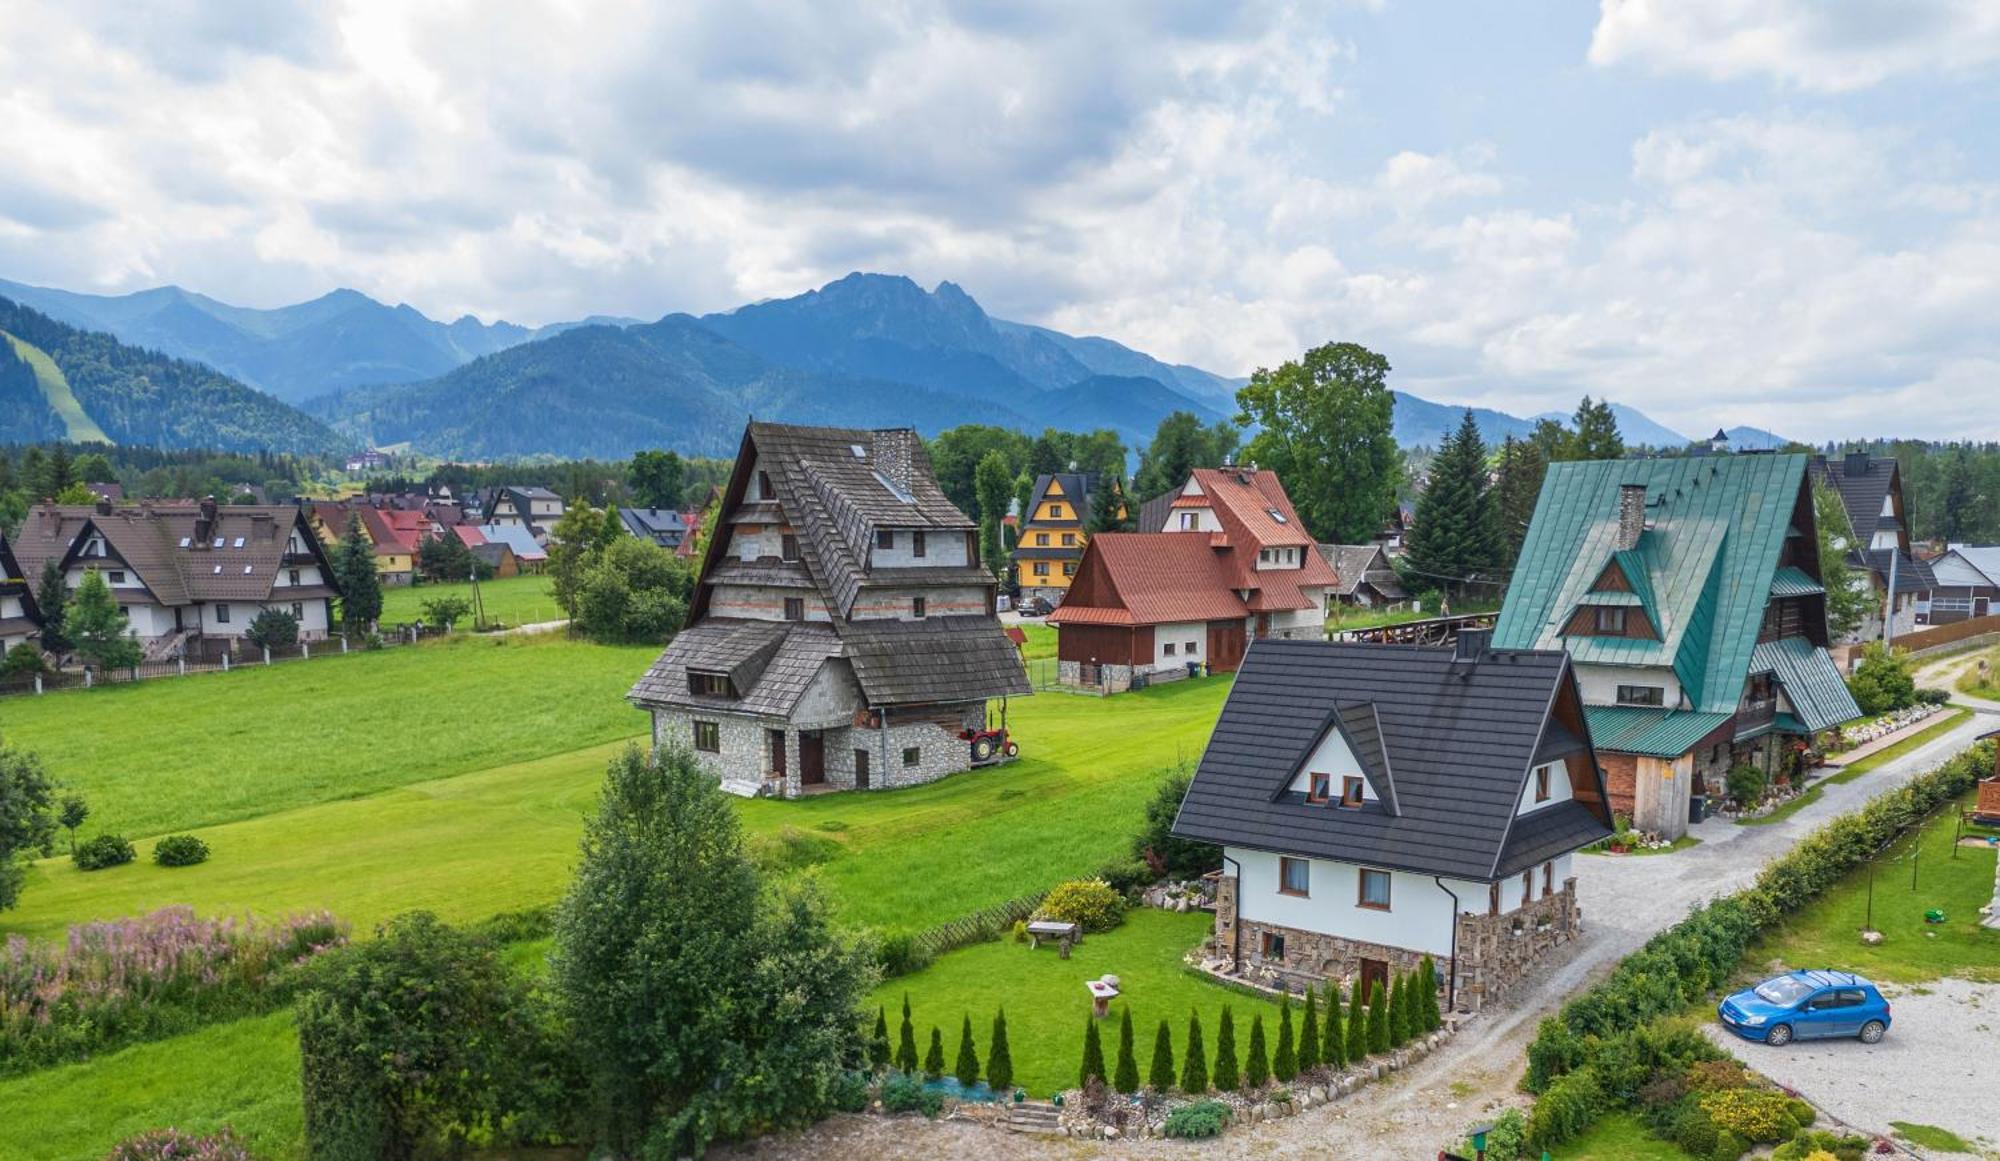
180, 850
901, 954
1746, 784
1089, 903
1933, 697
1881, 683
1164, 852
273, 629
1758, 1115
1565, 1110
1692, 1130
1728, 1147
850, 1092
1127, 875
907, 1094
1197, 1121
23, 662
1507, 1140
106, 850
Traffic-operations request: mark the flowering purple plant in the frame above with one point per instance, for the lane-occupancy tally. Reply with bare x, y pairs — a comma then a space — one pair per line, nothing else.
140, 978
174, 1145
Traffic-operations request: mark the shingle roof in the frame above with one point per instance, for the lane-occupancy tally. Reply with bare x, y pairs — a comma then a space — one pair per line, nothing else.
1811, 680
1157, 578
1459, 749
1912, 575
938, 659
1356, 564
14, 582
771, 663
1863, 482
1709, 554
149, 540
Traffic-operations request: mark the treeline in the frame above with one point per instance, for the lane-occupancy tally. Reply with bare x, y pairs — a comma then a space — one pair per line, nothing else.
1952, 490
650, 479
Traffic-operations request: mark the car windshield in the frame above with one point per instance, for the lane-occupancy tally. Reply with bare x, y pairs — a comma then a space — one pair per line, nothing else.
1783, 991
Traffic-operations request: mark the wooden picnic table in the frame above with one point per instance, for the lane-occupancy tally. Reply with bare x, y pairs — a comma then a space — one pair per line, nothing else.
1065, 935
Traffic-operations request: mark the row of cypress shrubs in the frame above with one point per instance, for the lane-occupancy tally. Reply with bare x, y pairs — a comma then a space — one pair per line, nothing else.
1595, 1054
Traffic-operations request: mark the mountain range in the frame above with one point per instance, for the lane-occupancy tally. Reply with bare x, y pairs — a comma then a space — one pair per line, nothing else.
867, 349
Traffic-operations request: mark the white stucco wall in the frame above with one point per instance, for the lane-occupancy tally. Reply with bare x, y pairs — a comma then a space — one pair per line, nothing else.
1282, 557
1599, 683
764, 602
1559, 789
1332, 757
1190, 642
309, 574
942, 549
1204, 520
896, 604
1419, 915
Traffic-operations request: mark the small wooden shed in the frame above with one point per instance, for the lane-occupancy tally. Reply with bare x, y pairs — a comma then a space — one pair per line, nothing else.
1987, 809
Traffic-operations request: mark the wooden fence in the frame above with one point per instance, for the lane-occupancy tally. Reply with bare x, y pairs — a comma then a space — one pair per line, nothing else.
1924, 640
206, 657
1431, 631
978, 927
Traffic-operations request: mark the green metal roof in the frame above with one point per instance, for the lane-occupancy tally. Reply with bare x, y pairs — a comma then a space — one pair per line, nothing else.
1703, 568
1631, 600
1791, 581
1655, 733
1787, 724
1811, 681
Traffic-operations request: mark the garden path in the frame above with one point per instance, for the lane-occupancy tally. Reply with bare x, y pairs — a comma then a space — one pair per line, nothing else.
1415, 1113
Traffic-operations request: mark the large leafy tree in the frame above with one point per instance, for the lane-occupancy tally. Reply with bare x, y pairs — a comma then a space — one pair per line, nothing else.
633, 592
656, 479
1517, 485
96, 626
993, 487
27, 819
572, 549
700, 1013
1180, 444
1325, 424
355, 575
1454, 540
957, 452
1098, 453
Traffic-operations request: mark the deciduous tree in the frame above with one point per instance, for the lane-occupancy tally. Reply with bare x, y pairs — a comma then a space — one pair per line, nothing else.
27, 824
1326, 422
656, 479
993, 485
97, 628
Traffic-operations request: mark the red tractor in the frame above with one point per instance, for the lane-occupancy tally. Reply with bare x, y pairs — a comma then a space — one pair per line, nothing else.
990, 745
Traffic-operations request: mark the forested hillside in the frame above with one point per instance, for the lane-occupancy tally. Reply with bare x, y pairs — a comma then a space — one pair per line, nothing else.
139, 396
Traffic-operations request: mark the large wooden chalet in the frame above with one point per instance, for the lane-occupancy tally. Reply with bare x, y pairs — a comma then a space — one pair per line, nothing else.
842, 634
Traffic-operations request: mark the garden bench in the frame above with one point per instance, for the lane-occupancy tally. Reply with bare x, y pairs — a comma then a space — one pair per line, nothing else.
1065, 935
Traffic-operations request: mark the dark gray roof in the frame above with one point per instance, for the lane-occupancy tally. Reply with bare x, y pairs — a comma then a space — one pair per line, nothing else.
770, 662
1457, 750
1541, 835
1358, 564
1863, 481
938, 659
664, 526
1912, 575
1153, 513
778, 574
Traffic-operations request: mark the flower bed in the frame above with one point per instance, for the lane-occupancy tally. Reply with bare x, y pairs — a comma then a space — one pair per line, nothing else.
144, 978
1846, 739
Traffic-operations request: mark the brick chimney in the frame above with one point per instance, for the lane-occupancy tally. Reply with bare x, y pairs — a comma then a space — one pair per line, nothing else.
204, 521
895, 455
1631, 514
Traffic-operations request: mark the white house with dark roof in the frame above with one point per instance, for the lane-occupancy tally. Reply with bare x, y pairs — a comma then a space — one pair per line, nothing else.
1377, 804
842, 633
20, 620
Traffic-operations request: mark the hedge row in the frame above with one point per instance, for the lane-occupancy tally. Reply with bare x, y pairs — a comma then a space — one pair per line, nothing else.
1701, 952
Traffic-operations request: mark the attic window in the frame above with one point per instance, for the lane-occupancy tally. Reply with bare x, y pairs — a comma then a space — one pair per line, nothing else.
184, 542
1274, 514
239, 543
218, 570
246, 570
860, 453
220, 541
1350, 792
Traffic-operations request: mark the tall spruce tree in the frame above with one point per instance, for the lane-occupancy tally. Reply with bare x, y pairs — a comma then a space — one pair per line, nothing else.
1309, 1033
1093, 1054
1226, 1077
999, 1061
1125, 1076
966, 1066
878, 1041
1285, 1061
1194, 1069
52, 599
1516, 487
355, 575
1378, 1019
1333, 1044
1108, 509
1161, 1075
1257, 1062
906, 1042
1454, 540
934, 1055
1357, 1025
1596, 433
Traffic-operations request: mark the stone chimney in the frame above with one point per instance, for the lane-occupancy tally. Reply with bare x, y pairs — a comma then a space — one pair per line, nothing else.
204, 521
895, 456
1631, 514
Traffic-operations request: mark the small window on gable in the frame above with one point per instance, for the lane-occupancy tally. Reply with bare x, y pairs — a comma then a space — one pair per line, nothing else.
1041, 540
788, 547
115, 577
1541, 784
764, 489
1055, 511
1611, 620
795, 608
1320, 786
919, 608
1189, 522
710, 685
1350, 791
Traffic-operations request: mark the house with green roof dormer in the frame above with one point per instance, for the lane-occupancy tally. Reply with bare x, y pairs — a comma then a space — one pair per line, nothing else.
1687, 592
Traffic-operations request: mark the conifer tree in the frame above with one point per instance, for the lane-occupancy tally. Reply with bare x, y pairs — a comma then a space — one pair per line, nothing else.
1378, 1019
1226, 1077
1357, 1025
1433, 1018
1333, 1048
934, 1056
878, 1041
906, 1044
999, 1061
1194, 1070
1285, 1061
1257, 1065
52, 598
1309, 1033
1125, 1076
1399, 1013
1454, 538
355, 576
966, 1067
1161, 1075
1093, 1055
1596, 436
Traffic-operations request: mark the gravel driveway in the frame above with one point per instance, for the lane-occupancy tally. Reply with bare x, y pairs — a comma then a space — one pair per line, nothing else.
1413, 1114
1937, 1066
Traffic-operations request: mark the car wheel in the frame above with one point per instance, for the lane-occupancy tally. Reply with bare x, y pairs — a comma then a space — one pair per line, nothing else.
1871, 1032
1779, 1037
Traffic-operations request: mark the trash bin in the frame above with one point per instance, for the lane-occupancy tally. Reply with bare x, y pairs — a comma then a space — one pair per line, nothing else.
1697, 807
1194, 668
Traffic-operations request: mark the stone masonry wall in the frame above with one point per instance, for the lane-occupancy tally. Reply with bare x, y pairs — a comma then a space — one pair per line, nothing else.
1495, 951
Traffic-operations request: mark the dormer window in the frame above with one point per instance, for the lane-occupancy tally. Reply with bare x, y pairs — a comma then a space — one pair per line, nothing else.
710, 684
1610, 621
1350, 791
1321, 788
885, 538
1541, 784
1190, 522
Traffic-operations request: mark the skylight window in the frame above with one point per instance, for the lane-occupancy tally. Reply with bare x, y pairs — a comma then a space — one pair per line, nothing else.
239, 543
220, 541
218, 570
1277, 515
185, 542
860, 453
246, 570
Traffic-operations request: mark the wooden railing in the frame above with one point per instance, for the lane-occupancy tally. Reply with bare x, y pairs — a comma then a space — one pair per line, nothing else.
1430, 631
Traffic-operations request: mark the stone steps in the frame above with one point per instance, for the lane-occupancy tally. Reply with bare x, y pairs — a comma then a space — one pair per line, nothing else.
742, 787
1034, 1117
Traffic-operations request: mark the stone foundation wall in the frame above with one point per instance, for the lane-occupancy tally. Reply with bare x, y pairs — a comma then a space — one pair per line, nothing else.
1313, 956
1116, 678
1492, 957
745, 753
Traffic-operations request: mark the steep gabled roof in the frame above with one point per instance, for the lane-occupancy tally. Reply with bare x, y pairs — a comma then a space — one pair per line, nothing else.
1075, 488
238, 561
16, 583
1704, 565
1358, 564
1252, 505
1863, 482
1457, 747
1151, 578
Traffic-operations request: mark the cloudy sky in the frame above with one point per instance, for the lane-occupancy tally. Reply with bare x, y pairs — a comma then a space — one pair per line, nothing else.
1780, 212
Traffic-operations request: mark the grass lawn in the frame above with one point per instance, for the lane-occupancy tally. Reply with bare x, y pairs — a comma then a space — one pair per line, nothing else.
1620, 1137
1932, 1137
185, 752
1944, 723
1047, 1006
244, 1073
1041, 640
503, 839
1827, 933
517, 600
1968, 681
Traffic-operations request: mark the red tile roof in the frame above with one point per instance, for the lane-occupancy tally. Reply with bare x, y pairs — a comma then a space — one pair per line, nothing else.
1155, 578
1252, 506
468, 535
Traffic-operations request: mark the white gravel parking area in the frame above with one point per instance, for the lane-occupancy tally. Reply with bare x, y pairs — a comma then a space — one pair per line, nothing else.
1937, 1066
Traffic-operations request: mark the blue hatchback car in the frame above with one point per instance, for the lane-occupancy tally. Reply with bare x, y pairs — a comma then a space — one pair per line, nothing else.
1810, 1005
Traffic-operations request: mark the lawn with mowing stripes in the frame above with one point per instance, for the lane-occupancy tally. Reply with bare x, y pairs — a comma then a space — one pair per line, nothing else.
1047, 1006
516, 600
176, 753
505, 838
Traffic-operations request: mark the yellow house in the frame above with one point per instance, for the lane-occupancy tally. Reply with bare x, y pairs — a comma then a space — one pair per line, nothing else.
1052, 535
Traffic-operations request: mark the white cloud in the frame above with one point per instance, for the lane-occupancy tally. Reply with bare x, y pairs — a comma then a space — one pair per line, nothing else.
1814, 45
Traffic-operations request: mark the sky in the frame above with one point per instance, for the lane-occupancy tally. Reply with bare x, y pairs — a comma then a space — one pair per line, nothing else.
1777, 212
